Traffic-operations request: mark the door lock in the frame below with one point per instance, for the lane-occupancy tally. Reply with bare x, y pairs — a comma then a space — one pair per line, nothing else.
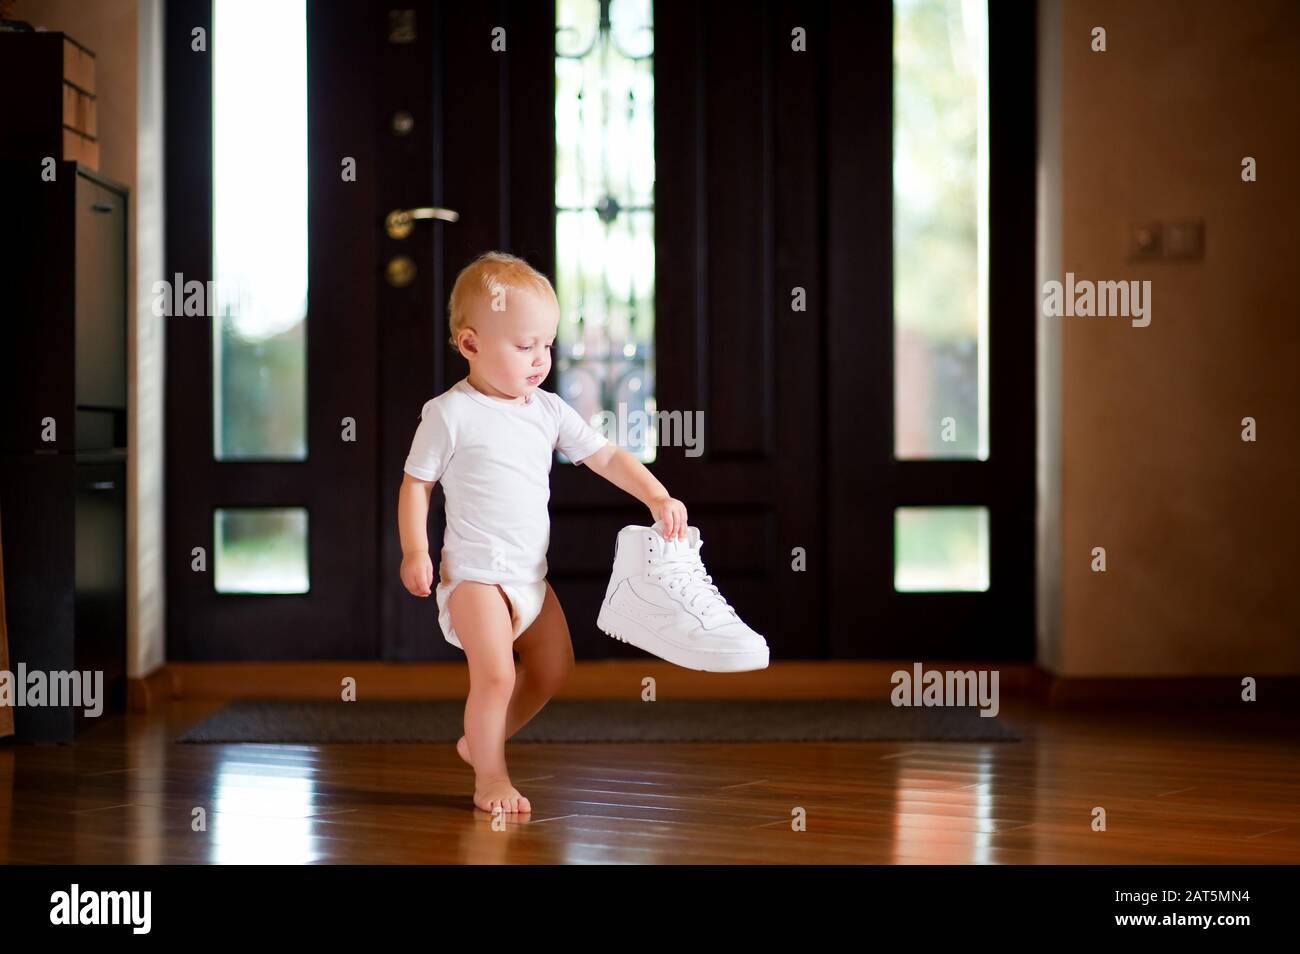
399, 222
400, 271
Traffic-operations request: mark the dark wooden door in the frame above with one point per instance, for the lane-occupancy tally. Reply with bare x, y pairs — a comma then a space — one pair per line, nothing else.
463, 127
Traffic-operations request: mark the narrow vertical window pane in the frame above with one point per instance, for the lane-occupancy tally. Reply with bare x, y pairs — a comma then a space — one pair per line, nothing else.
604, 213
941, 549
261, 550
259, 225
941, 229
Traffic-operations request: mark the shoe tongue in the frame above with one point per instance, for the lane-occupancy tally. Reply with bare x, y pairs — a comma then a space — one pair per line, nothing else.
683, 545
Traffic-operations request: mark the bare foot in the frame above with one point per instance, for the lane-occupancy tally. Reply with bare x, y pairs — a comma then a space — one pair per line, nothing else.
462, 749
492, 793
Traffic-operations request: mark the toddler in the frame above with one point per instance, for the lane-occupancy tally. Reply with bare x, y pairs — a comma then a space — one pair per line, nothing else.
490, 439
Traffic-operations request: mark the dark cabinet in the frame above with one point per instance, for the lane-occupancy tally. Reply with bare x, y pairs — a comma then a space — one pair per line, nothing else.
99, 577
100, 283
63, 383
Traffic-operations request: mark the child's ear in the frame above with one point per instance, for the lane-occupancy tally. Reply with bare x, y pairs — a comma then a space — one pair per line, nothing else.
467, 343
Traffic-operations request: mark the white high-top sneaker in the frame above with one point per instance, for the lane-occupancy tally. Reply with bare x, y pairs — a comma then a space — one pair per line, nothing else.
660, 599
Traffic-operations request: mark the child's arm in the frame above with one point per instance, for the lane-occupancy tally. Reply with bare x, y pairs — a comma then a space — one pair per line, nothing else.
412, 527
627, 473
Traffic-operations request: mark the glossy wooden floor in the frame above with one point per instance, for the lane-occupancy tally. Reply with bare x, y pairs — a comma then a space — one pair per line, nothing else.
1176, 789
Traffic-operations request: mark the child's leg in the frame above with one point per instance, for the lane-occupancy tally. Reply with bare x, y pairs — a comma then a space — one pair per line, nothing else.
545, 661
481, 619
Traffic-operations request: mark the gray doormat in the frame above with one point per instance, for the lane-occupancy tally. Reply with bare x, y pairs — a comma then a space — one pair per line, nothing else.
603, 720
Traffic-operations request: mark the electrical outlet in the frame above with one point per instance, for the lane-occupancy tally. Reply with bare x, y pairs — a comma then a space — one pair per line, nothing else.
1185, 241
1181, 241
1145, 241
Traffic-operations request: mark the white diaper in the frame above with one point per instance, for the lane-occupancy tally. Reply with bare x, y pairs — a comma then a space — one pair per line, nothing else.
525, 606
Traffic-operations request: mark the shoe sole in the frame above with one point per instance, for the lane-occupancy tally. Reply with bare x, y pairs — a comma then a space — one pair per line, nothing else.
614, 624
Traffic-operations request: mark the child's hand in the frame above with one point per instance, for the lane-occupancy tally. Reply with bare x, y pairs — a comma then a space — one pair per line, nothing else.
671, 514
417, 573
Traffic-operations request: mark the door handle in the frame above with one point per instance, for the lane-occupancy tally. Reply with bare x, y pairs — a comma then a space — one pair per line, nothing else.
399, 222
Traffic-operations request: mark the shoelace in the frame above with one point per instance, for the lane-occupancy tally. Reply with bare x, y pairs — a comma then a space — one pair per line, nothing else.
680, 565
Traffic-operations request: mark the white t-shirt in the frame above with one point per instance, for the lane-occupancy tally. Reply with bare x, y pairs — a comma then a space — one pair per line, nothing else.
493, 457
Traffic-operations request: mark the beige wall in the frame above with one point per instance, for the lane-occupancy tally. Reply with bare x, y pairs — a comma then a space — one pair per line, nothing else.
1200, 529
126, 38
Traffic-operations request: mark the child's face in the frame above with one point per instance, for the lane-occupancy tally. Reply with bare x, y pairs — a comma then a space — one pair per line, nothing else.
510, 350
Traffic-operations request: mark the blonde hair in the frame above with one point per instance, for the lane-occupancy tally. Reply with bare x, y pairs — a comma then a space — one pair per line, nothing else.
482, 277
